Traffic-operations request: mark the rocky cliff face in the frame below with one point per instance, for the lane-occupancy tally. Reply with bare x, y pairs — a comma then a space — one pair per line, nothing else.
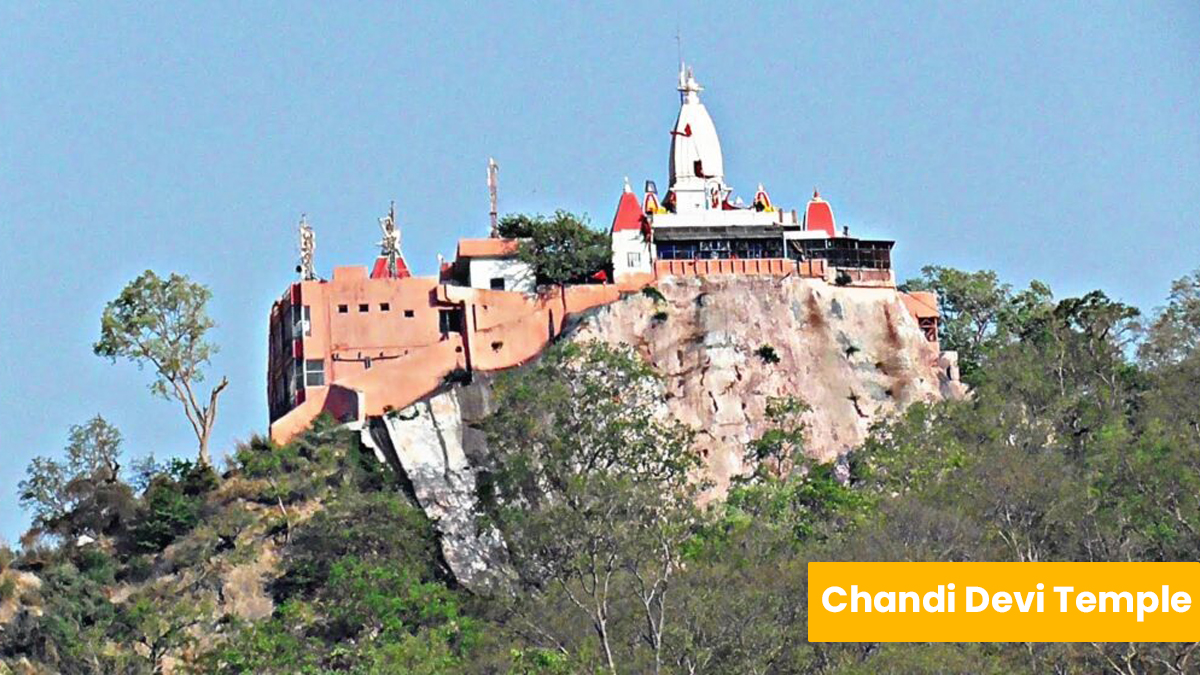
724, 346
852, 354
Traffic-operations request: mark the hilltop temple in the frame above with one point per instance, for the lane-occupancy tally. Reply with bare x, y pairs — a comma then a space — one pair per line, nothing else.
697, 228
368, 341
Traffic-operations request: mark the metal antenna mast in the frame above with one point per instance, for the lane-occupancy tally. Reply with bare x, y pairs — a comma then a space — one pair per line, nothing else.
308, 246
493, 188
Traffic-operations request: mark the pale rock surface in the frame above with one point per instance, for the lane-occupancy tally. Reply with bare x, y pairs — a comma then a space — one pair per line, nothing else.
853, 354
429, 442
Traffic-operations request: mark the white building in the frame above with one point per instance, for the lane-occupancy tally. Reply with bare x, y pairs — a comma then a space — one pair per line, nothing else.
492, 264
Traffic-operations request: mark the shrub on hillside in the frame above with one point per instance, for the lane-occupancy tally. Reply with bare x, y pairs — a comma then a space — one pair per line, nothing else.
171, 505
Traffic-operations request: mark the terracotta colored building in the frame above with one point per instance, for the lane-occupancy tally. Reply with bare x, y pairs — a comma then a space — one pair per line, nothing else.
367, 341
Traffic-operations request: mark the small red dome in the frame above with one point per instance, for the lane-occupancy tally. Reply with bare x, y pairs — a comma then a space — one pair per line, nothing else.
819, 216
380, 269
629, 213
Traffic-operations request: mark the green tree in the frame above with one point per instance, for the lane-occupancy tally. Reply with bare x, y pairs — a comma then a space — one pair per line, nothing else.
1174, 334
171, 506
971, 304
781, 447
591, 487
69, 632
162, 620
978, 312
82, 493
561, 248
1170, 356
362, 592
164, 323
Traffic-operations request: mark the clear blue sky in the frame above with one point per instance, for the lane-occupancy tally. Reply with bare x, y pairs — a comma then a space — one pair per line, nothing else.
1058, 141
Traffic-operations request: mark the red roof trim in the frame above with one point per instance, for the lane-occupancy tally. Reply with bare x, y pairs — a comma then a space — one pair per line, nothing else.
629, 214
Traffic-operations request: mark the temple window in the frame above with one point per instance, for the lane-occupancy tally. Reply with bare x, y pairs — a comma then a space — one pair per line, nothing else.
364, 307
497, 283
385, 307
408, 314
342, 309
314, 373
450, 321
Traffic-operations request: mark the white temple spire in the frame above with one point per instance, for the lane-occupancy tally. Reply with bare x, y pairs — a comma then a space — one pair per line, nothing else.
697, 166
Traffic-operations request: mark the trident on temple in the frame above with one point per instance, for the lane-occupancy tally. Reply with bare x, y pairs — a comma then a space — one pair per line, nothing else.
389, 246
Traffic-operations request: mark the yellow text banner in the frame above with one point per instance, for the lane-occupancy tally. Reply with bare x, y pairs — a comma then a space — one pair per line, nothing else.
1003, 602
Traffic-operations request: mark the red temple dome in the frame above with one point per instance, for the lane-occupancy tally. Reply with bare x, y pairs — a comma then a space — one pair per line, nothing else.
819, 216
629, 214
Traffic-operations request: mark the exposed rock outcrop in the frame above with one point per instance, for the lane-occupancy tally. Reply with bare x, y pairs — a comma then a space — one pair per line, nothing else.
433, 445
853, 354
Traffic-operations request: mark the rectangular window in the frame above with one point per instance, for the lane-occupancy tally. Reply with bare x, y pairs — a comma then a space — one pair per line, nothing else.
450, 320
314, 373
342, 309
385, 307
364, 307
497, 283
408, 314
301, 320
634, 260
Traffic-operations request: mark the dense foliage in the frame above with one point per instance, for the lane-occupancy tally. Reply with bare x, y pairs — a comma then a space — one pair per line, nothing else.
562, 248
1080, 441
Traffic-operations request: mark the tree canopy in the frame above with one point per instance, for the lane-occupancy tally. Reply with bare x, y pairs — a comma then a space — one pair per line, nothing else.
562, 248
164, 323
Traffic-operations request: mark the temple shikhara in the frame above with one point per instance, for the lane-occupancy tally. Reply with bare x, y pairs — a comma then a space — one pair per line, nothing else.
373, 339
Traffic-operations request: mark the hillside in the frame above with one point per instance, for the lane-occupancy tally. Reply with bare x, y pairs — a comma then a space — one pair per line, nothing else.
644, 497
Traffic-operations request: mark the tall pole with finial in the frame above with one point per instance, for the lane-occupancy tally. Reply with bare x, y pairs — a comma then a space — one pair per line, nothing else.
493, 188
679, 45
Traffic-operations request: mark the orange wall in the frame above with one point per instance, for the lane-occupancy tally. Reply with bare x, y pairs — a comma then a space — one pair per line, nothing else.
411, 357
772, 266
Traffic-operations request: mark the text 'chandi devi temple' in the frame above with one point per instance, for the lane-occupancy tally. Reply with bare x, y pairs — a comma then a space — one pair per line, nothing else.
367, 341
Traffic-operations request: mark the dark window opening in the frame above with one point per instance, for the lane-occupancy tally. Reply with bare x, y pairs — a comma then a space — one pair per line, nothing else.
364, 307
720, 249
844, 252
408, 314
385, 307
342, 309
450, 320
497, 283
